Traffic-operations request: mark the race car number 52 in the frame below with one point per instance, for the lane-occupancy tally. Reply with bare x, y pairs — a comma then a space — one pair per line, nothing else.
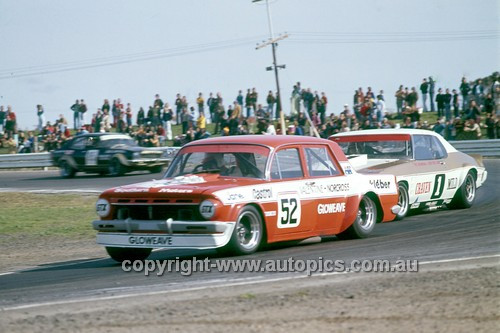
288, 211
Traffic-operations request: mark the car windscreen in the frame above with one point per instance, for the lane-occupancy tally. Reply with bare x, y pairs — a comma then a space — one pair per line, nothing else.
225, 160
387, 149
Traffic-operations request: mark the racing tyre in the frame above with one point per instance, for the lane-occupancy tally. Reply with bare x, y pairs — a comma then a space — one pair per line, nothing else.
403, 201
466, 194
125, 253
116, 168
365, 221
67, 171
247, 234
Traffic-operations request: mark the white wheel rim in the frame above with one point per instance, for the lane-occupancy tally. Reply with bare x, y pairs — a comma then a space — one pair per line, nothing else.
248, 230
366, 214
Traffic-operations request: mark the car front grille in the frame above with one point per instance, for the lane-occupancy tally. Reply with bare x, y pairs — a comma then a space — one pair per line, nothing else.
178, 212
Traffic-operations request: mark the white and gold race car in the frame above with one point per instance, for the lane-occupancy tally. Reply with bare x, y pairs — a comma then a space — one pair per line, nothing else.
430, 172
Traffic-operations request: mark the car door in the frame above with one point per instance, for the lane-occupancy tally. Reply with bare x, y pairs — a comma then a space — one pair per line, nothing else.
78, 151
326, 190
287, 177
428, 181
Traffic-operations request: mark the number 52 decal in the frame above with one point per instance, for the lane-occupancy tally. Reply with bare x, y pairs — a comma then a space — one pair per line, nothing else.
288, 211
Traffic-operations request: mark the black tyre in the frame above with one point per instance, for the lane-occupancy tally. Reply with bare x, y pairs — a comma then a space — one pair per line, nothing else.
403, 201
156, 169
466, 194
116, 168
125, 253
67, 171
365, 221
247, 234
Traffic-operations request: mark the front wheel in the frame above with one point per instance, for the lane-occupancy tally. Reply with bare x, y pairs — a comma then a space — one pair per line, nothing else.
247, 234
121, 254
403, 201
466, 194
67, 171
365, 221
116, 168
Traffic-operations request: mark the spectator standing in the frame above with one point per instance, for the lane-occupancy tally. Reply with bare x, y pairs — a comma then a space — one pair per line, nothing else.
400, 98
254, 96
3, 116
248, 101
212, 104
200, 101
185, 120
41, 117
140, 116
440, 103
105, 122
76, 114
490, 125
412, 98
201, 122
83, 110
128, 114
464, 90
455, 103
473, 112
432, 87
489, 104
167, 121
158, 103
240, 99
10, 122
424, 88
271, 100
380, 108
178, 108
447, 104
105, 106
478, 92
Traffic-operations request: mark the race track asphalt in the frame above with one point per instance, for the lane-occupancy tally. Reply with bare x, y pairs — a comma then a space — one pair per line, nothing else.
441, 235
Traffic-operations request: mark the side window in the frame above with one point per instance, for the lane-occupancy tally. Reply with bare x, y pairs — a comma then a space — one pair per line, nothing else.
422, 147
79, 143
438, 149
286, 164
319, 162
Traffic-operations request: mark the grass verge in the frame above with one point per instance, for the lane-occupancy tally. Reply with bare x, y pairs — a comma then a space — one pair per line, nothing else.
31, 214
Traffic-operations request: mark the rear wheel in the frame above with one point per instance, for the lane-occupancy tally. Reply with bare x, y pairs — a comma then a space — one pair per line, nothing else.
403, 201
247, 234
121, 254
116, 168
466, 194
67, 171
365, 221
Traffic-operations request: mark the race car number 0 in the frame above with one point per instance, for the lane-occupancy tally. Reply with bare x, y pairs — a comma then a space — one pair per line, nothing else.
288, 211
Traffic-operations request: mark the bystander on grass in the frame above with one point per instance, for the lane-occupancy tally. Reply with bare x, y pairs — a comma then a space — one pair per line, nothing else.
32, 214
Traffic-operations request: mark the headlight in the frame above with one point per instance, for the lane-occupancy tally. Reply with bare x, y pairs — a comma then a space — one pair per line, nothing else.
102, 207
136, 155
207, 209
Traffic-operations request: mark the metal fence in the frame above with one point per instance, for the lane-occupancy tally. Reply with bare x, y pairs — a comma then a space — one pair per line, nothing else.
43, 160
487, 148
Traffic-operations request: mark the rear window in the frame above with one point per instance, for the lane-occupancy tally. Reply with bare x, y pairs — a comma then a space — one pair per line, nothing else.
388, 149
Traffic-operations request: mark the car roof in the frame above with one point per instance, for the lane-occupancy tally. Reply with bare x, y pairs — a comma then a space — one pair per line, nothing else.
398, 131
272, 141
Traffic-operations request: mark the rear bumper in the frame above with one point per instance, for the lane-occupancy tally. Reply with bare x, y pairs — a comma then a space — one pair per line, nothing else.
163, 234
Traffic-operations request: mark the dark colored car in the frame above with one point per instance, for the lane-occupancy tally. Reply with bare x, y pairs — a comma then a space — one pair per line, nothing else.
107, 153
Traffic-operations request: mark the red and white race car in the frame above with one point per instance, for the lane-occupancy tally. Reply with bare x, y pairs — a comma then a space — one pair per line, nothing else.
430, 172
240, 192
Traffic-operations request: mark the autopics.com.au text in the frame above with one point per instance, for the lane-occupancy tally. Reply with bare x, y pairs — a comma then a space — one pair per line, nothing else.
187, 267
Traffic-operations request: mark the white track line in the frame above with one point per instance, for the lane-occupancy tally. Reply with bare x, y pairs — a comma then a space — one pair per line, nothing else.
240, 282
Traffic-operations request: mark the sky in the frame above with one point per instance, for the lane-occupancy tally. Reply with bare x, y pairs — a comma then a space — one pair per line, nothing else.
55, 51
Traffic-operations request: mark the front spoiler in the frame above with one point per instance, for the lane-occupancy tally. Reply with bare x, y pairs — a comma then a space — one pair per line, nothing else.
166, 234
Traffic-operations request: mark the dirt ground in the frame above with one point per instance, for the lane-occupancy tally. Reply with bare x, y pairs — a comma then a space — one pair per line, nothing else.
454, 297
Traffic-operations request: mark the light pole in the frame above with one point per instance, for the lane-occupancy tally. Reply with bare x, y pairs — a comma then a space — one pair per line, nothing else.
273, 43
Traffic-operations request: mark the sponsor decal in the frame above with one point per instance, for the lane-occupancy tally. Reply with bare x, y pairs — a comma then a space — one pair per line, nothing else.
427, 163
347, 169
289, 210
270, 213
380, 184
266, 193
150, 240
331, 208
422, 188
313, 188
452, 183
175, 190
235, 196
130, 190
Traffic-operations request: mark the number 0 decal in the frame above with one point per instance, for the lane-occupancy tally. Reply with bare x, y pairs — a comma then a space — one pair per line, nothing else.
288, 211
438, 187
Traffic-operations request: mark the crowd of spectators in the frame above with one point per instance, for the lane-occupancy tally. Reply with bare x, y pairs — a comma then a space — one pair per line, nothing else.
462, 113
